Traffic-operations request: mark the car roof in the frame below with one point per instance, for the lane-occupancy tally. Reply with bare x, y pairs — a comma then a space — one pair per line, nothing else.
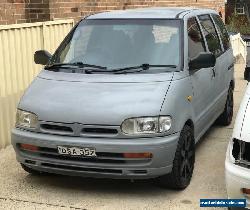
150, 13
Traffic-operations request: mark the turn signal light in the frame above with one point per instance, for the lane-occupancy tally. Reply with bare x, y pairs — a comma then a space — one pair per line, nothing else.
29, 147
246, 191
138, 155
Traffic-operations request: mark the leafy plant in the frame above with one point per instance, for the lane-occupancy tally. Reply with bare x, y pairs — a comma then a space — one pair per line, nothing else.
239, 24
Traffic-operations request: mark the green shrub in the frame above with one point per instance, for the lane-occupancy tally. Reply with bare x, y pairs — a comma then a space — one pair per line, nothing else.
239, 24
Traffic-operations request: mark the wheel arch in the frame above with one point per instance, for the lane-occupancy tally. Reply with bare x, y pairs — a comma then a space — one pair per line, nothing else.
190, 123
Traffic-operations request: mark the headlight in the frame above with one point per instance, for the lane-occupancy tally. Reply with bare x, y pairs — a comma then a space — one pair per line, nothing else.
146, 125
26, 119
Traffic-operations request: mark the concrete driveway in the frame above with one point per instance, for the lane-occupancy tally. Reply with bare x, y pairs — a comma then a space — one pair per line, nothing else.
18, 190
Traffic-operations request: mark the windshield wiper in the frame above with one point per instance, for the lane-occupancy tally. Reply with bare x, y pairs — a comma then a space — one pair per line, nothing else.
139, 68
56, 66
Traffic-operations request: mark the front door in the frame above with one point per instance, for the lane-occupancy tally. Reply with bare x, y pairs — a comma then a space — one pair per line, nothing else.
202, 80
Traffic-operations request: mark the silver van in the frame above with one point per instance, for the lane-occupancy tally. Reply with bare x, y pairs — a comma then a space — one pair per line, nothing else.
127, 95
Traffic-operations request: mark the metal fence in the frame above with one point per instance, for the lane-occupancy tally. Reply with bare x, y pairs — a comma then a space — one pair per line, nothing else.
18, 43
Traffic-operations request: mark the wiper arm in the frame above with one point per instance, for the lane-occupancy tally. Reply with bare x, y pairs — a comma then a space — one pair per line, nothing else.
70, 65
142, 67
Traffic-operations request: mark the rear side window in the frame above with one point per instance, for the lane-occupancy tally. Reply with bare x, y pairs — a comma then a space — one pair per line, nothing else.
195, 40
222, 31
211, 36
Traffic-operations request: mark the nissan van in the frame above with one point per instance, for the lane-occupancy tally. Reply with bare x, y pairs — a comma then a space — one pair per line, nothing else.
127, 95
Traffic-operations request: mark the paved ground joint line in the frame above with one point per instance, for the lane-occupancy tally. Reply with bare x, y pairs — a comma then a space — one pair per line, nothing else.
41, 203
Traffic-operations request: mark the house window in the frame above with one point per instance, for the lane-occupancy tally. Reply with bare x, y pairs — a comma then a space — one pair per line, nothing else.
239, 8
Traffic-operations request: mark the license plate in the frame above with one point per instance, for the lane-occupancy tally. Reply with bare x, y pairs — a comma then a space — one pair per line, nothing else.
77, 151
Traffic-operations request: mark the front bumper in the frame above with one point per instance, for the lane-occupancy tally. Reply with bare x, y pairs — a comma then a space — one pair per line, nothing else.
162, 148
237, 177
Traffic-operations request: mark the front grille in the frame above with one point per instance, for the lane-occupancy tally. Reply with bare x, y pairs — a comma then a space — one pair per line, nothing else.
82, 159
101, 158
76, 168
241, 153
77, 129
57, 128
99, 131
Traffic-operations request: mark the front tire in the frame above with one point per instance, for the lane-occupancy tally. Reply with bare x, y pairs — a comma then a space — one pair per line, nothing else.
183, 163
226, 117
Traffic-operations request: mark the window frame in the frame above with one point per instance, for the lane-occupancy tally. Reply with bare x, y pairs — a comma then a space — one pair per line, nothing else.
239, 6
201, 31
180, 67
216, 31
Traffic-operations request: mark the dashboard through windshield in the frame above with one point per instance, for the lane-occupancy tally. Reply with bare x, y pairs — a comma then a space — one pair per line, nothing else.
121, 43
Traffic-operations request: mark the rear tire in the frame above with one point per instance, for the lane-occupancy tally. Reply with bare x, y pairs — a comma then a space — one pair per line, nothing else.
32, 171
227, 115
183, 163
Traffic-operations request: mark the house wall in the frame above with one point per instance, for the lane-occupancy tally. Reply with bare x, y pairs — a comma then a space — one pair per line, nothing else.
77, 9
230, 10
20, 11
23, 11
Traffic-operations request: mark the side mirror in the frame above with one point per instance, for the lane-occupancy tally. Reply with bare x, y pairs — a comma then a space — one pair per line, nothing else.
247, 72
203, 60
42, 57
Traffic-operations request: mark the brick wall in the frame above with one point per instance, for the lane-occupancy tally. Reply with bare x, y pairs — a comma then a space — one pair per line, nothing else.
23, 11
79, 8
18, 11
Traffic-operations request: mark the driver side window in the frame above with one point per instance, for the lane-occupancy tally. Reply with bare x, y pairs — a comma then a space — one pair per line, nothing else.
196, 43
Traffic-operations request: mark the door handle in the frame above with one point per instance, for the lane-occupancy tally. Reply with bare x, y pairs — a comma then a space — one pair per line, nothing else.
213, 70
230, 66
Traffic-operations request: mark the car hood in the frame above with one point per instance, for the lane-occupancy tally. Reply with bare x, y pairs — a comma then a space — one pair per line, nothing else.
105, 99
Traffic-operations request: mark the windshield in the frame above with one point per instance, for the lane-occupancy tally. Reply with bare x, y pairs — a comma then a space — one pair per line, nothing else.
121, 43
